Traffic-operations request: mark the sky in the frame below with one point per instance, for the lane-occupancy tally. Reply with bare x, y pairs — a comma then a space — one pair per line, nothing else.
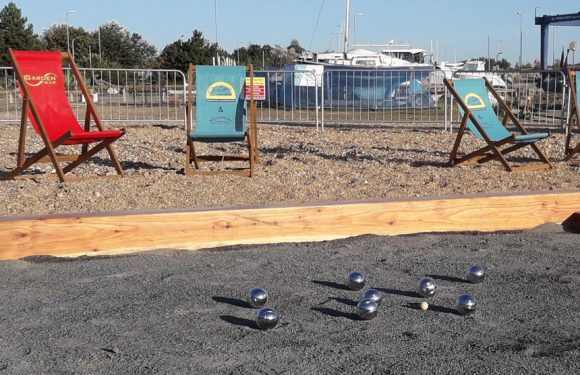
452, 29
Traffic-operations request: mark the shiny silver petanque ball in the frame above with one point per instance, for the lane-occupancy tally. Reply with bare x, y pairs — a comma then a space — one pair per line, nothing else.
356, 281
374, 295
475, 274
257, 297
267, 318
466, 304
426, 287
367, 309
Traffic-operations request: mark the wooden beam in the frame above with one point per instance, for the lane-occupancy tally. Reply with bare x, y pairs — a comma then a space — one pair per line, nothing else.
116, 233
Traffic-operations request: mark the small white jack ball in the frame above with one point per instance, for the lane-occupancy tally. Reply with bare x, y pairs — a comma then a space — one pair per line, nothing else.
424, 305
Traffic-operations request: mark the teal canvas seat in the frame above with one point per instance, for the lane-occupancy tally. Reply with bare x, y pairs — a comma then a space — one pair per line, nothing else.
221, 116
479, 116
574, 119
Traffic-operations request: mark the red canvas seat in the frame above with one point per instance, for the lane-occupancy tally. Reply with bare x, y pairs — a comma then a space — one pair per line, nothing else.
41, 82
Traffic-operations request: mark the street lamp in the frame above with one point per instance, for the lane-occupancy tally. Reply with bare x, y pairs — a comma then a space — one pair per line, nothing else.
67, 34
573, 47
497, 58
215, 20
354, 25
521, 37
216, 30
73, 44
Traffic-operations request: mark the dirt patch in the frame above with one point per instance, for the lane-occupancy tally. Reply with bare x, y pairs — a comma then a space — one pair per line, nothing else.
298, 164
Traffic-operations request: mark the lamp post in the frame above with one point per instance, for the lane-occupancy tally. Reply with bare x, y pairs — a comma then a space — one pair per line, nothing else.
573, 47
354, 25
216, 31
67, 34
521, 37
215, 20
73, 45
100, 52
497, 58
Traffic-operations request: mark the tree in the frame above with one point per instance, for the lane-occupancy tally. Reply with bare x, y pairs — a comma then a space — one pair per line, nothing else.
280, 56
295, 47
122, 48
259, 56
195, 50
54, 39
15, 33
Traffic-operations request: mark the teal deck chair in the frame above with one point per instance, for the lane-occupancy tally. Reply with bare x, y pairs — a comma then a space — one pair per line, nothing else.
574, 119
221, 116
480, 118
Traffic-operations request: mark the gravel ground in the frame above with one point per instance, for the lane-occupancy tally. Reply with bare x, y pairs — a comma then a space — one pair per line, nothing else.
298, 164
173, 311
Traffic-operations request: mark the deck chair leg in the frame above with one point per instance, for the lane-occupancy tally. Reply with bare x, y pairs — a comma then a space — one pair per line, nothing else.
251, 156
22, 139
193, 155
115, 160
189, 157
39, 155
460, 132
501, 158
541, 156
571, 151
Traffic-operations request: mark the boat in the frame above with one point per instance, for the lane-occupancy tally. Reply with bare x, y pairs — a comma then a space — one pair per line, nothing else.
356, 78
476, 68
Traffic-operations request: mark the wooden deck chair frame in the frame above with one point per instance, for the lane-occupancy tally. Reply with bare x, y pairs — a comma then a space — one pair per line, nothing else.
573, 121
493, 149
251, 136
48, 153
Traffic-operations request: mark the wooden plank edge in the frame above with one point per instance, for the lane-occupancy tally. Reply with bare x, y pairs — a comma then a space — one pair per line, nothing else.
74, 235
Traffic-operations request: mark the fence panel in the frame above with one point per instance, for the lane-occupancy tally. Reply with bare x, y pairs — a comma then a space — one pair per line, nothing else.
537, 98
291, 97
383, 96
120, 95
348, 96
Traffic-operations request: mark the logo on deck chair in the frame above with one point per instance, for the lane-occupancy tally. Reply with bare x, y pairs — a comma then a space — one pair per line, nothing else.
474, 101
221, 91
37, 80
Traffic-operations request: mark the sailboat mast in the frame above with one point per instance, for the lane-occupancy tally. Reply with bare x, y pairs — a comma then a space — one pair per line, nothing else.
346, 26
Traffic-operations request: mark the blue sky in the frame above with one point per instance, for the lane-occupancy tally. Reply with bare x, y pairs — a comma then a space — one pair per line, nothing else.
459, 28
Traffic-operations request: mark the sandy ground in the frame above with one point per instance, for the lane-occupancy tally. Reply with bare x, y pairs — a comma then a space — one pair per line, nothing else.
175, 311
298, 164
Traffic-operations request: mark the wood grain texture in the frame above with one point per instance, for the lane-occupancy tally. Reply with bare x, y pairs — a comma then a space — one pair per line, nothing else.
116, 233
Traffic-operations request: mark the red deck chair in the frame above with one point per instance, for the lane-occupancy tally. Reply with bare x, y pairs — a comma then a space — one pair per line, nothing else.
42, 86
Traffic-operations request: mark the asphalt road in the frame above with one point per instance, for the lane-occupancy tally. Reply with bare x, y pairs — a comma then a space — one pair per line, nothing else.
171, 311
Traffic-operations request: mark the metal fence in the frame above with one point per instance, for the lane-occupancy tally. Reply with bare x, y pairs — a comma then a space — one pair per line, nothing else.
310, 96
120, 95
537, 98
291, 97
352, 96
